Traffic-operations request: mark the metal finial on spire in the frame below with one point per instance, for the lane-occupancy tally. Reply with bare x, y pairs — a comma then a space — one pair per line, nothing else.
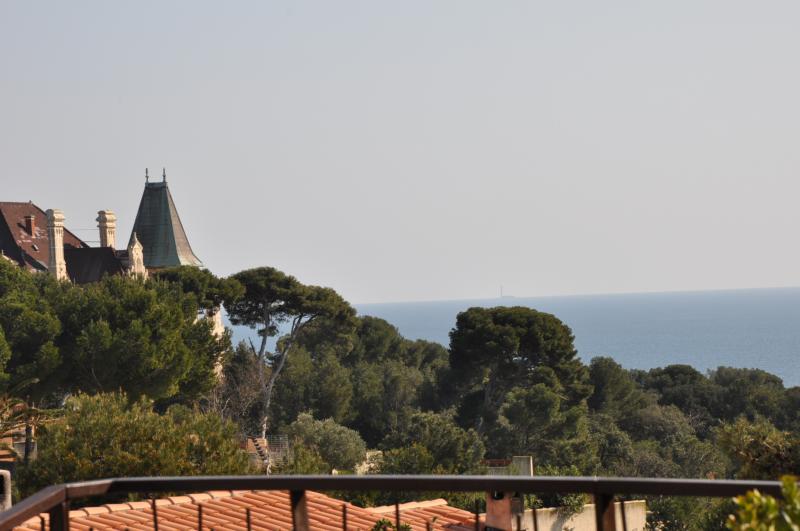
146, 176
164, 175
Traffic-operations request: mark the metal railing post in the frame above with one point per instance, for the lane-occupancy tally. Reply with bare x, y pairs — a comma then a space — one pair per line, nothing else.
59, 517
299, 510
397, 516
604, 512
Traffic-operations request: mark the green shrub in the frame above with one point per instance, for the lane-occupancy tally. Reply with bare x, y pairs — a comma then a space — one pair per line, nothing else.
106, 436
759, 512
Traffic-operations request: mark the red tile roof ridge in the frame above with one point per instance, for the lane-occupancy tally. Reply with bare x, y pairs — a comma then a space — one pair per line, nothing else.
408, 506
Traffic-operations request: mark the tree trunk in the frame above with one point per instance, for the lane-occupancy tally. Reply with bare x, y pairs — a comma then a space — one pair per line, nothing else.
263, 349
487, 401
297, 325
273, 377
28, 442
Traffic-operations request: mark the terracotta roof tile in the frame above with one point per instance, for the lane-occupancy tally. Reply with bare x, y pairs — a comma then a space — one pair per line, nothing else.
112, 507
270, 510
180, 499
139, 505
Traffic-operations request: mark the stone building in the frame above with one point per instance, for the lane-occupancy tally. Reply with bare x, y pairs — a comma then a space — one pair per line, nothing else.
39, 241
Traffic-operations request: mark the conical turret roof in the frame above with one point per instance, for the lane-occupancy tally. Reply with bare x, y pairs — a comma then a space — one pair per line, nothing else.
160, 231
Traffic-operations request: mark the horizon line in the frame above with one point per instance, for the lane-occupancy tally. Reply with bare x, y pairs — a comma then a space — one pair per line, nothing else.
585, 294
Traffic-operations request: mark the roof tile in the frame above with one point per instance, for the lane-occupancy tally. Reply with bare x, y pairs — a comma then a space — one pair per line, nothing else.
270, 510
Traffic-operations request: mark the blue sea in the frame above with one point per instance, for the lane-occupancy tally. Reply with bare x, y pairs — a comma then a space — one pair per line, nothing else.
755, 328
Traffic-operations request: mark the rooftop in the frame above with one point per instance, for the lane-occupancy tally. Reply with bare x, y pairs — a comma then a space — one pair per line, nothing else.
270, 510
160, 230
29, 250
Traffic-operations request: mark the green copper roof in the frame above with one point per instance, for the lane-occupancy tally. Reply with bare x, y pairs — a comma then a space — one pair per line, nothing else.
160, 230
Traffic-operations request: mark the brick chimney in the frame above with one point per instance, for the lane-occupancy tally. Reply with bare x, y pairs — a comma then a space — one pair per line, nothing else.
107, 223
55, 234
502, 510
30, 224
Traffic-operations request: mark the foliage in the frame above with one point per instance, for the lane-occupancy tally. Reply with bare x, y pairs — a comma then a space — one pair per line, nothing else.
568, 504
238, 394
759, 449
511, 383
614, 447
272, 298
452, 449
385, 524
107, 436
340, 447
17, 417
757, 512
666, 445
28, 332
681, 513
615, 393
119, 333
413, 459
534, 421
303, 460
494, 350
370, 379
142, 337
209, 291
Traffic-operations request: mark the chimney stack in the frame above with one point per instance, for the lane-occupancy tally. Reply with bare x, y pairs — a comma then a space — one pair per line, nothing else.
107, 223
502, 509
55, 234
30, 224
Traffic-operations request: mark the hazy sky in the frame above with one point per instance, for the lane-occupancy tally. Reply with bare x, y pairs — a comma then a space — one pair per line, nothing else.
423, 149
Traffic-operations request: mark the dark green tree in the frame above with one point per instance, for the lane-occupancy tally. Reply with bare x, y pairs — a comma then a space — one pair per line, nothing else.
209, 290
614, 446
749, 392
689, 390
494, 350
412, 459
615, 392
141, 337
533, 421
453, 449
272, 298
30, 328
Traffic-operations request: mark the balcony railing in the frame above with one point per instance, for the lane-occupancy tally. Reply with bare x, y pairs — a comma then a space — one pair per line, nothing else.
56, 499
